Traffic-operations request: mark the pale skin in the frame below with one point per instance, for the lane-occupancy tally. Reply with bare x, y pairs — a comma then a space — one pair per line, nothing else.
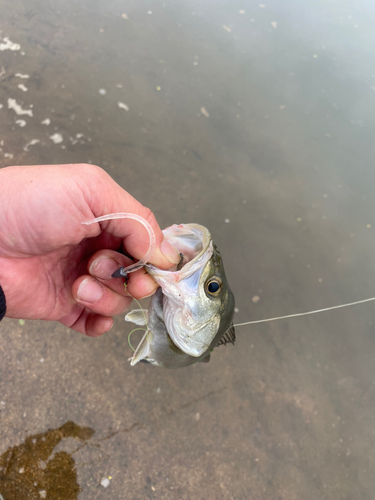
52, 267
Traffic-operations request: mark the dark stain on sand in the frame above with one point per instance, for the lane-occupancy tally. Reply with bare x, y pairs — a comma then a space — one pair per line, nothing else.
31, 471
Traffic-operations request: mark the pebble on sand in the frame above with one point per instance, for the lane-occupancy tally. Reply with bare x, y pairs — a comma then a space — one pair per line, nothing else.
56, 138
104, 482
122, 105
205, 112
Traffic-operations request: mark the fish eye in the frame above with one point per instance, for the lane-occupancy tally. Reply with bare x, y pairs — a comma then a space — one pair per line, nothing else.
213, 286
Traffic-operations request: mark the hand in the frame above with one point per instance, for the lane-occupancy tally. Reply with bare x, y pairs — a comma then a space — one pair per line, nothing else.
53, 267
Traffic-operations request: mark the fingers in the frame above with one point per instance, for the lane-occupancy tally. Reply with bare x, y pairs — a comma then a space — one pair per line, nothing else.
102, 296
107, 296
105, 196
98, 298
92, 324
100, 302
103, 263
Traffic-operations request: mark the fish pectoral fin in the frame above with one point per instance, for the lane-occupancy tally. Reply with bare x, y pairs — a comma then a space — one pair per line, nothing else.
138, 317
143, 349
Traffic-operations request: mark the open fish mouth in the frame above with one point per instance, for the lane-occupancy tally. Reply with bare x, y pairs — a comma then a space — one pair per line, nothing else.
195, 246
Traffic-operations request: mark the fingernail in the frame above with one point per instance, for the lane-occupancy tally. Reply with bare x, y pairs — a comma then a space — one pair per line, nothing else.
149, 295
110, 328
170, 252
103, 267
90, 291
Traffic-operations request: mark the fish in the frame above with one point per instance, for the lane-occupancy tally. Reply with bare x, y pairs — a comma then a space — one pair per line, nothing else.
192, 310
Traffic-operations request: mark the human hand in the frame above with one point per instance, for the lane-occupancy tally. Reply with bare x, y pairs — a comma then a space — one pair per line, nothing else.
53, 267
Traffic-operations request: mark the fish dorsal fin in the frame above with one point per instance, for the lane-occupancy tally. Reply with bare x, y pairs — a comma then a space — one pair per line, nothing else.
229, 337
143, 349
137, 316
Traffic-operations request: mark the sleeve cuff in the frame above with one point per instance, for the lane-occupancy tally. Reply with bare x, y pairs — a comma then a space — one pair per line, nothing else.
3, 305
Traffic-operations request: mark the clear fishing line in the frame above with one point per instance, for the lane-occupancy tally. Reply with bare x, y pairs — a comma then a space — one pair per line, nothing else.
305, 313
135, 329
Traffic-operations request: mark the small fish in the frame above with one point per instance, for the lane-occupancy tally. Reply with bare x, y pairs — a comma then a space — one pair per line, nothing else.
192, 311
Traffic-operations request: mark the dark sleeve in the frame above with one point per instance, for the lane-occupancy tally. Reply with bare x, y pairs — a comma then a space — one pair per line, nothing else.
3, 305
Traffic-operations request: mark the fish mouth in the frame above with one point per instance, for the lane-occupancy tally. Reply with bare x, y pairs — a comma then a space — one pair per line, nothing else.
195, 246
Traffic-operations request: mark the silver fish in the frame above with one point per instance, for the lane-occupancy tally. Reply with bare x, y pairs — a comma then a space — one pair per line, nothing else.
192, 311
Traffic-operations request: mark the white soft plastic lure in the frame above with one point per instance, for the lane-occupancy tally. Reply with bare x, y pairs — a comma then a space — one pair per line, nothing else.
151, 234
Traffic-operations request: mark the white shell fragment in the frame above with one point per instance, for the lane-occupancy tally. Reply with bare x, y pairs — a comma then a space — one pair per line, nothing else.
122, 105
56, 138
205, 112
105, 482
12, 104
31, 143
8, 45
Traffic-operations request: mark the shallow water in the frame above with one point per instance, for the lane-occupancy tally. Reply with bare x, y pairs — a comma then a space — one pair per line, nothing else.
257, 121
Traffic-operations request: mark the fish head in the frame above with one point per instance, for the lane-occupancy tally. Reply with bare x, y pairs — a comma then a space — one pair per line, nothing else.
198, 303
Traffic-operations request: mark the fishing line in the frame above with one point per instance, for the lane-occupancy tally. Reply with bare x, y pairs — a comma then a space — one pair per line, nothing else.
305, 313
135, 329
